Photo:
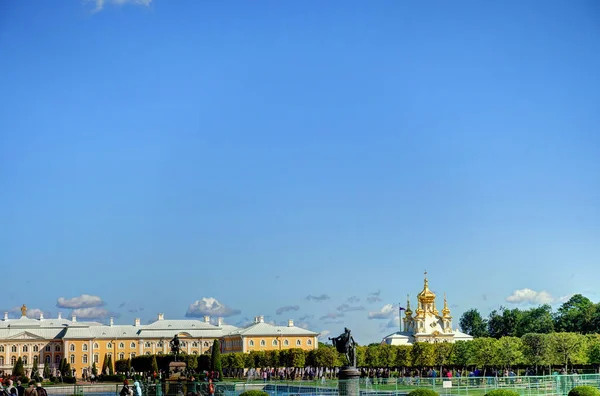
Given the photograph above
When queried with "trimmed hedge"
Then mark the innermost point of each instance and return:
(69, 380)
(423, 392)
(112, 378)
(502, 392)
(584, 390)
(254, 392)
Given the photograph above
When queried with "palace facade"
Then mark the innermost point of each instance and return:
(427, 324)
(84, 343)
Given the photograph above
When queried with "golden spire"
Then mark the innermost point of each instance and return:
(446, 310)
(408, 312)
(24, 310)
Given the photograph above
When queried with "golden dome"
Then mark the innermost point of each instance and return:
(408, 311)
(446, 310)
(426, 296)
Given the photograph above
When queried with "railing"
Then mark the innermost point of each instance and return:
(555, 385)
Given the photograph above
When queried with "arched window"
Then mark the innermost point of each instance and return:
(194, 344)
(183, 343)
(1, 360)
(194, 352)
(132, 345)
(57, 359)
(147, 345)
(35, 359)
(96, 358)
(274, 342)
(25, 348)
(96, 346)
(160, 352)
(263, 343)
(147, 352)
(298, 342)
(48, 348)
(13, 348)
(47, 359)
(121, 356)
(206, 344)
(36, 348)
(109, 345)
(72, 347)
(56, 348)
(13, 360)
(72, 359)
(309, 342)
(286, 342)
(1, 348)
(84, 359)
(160, 344)
(131, 355)
(84, 347)
(25, 360)
(251, 343)
(121, 345)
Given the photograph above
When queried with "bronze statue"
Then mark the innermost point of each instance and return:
(345, 344)
(175, 348)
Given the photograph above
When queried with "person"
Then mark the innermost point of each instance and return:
(30, 391)
(211, 388)
(40, 391)
(125, 390)
(20, 388)
(137, 389)
(10, 386)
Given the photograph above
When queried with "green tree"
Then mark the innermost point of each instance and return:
(361, 353)
(326, 356)
(35, 371)
(422, 354)
(576, 315)
(567, 348)
(372, 358)
(473, 324)
(504, 323)
(485, 352)
(215, 360)
(47, 373)
(594, 350)
(155, 364)
(18, 369)
(461, 353)
(536, 320)
(68, 371)
(62, 367)
(510, 351)
(442, 352)
(94, 369)
(403, 356)
(104, 364)
(110, 366)
(536, 349)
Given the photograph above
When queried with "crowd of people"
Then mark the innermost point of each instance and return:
(8, 388)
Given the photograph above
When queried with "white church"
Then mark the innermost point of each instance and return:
(427, 325)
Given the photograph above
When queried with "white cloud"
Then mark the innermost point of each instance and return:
(83, 301)
(32, 313)
(99, 4)
(323, 335)
(210, 306)
(528, 296)
(92, 313)
(384, 313)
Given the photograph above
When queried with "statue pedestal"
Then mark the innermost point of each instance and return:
(349, 384)
(176, 370)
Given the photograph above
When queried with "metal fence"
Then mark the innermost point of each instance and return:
(555, 385)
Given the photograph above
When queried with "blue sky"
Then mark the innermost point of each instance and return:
(237, 157)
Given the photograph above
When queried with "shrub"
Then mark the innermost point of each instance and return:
(423, 392)
(502, 392)
(584, 390)
(254, 392)
(112, 378)
(69, 380)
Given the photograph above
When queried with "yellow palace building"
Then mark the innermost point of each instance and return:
(49, 340)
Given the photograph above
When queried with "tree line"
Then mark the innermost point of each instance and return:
(577, 315)
(542, 353)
